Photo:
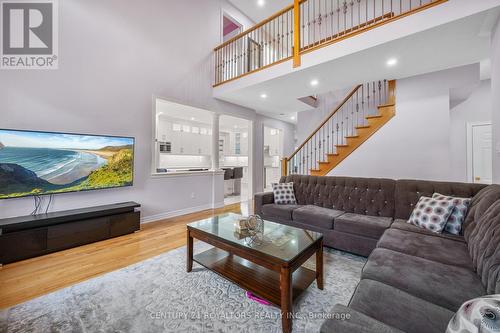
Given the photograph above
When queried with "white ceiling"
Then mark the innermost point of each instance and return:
(256, 13)
(449, 45)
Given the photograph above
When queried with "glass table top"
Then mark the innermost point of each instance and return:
(274, 239)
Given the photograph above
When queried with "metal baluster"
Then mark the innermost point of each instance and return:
(352, 14)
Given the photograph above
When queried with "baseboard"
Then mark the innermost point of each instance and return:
(180, 212)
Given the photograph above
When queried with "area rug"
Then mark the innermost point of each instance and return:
(157, 295)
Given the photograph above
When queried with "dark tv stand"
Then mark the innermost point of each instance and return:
(34, 235)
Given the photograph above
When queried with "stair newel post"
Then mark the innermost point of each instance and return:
(296, 33)
(284, 166)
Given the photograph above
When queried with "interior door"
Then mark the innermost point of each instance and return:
(482, 153)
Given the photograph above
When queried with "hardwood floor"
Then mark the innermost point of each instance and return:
(28, 279)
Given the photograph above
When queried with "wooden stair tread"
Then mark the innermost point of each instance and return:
(335, 154)
(373, 117)
(352, 136)
(341, 145)
(365, 126)
(321, 163)
(386, 105)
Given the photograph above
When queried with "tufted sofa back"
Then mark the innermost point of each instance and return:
(484, 247)
(408, 192)
(478, 207)
(367, 196)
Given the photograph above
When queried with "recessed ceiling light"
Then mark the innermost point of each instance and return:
(392, 62)
(292, 117)
(261, 3)
(192, 118)
(263, 96)
(314, 83)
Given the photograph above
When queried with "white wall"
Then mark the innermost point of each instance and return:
(114, 56)
(309, 120)
(477, 108)
(495, 89)
(416, 142)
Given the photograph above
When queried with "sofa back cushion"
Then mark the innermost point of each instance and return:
(480, 203)
(367, 196)
(408, 192)
(484, 247)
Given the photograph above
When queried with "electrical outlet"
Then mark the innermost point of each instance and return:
(193, 195)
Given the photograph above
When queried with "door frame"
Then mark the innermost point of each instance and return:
(233, 19)
(470, 168)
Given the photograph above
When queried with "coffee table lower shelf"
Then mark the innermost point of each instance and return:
(259, 280)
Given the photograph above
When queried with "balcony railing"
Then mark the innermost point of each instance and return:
(311, 24)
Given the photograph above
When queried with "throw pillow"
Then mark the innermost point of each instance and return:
(431, 214)
(283, 194)
(457, 217)
(477, 315)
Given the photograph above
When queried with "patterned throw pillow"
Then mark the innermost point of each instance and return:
(457, 217)
(431, 214)
(283, 194)
(477, 315)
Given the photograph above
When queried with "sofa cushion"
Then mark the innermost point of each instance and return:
(279, 211)
(364, 225)
(431, 214)
(438, 249)
(444, 285)
(348, 320)
(484, 248)
(404, 225)
(478, 206)
(409, 191)
(457, 217)
(368, 196)
(317, 216)
(399, 309)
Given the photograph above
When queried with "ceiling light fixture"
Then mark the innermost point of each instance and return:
(192, 118)
(263, 96)
(392, 62)
(314, 83)
(261, 3)
(292, 117)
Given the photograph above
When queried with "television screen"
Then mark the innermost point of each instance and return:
(38, 163)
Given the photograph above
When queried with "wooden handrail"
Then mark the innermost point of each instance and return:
(325, 121)
(258, 25)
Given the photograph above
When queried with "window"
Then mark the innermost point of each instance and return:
(178, 145)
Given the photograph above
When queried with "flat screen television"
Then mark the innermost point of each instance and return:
(39, 163)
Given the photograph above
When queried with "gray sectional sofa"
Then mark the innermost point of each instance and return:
(414, 280)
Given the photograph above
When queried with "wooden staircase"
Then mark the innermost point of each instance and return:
(344, 130)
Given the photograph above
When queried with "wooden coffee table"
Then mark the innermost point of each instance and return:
(268, 264)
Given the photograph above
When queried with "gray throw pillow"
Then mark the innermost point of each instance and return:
(283, 194)
(457, 217)
(431, 214)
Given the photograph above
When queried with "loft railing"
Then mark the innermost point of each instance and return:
(311, 24)
(267, 43)
(340, 124)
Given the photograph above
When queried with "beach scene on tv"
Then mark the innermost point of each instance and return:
(37, 163)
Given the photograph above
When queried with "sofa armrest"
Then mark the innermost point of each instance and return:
(262, 199)
(346, 320)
